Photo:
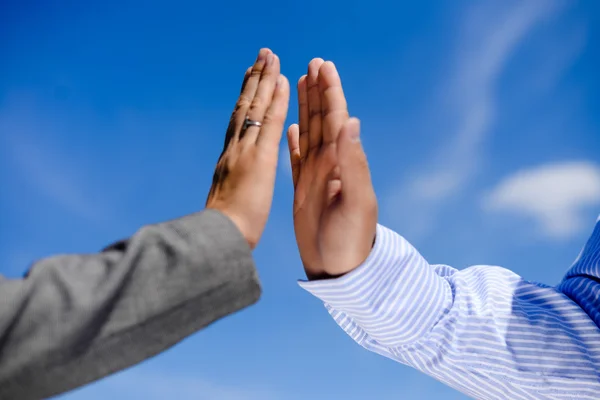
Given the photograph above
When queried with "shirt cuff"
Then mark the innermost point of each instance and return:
(395, 297)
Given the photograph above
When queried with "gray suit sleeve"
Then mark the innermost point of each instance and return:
(77, 318)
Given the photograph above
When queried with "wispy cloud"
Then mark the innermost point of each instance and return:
(555, 196)
(489, 39)
(52, 177)
(489, 35)
(26, 140)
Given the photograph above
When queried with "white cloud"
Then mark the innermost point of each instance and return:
(489, 35)
(553, 195)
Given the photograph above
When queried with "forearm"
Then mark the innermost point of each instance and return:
(484, 330)
(75, 319)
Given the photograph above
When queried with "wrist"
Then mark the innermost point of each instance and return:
(357, 260)
(239, 224)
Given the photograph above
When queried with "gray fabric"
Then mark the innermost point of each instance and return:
(77, 318)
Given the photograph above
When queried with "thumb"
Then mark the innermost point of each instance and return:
(352, 160)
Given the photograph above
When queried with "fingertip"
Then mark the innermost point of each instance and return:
(282, 82)
(353, 122)
(302, 91)
(351, 129)
(314, 65)
(293, 133)
(327, 67)
(302, 81)
(354, 168)
(262, 54)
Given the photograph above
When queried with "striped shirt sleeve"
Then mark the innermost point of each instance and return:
(582, 281)
(484, 330)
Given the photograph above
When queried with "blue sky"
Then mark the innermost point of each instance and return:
(480, 119)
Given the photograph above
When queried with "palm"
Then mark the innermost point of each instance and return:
(325, 233)
(314, 223)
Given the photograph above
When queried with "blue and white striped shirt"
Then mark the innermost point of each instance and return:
(483, 330)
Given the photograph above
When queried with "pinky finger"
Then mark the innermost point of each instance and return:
(293, 137)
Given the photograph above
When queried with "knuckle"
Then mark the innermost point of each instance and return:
(228, 165)
(303, 135)
(315, 148)
(256, 72)
(243, 102)
(312, 86)
(341, 113)
(273, 118)
(314, 113)
(257, 104)
(267, 73)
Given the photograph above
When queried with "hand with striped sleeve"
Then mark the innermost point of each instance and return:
(483, 330)
(335, 208)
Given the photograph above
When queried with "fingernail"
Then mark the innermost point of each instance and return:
(279, 81)
(270, 59)
(262, 54)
